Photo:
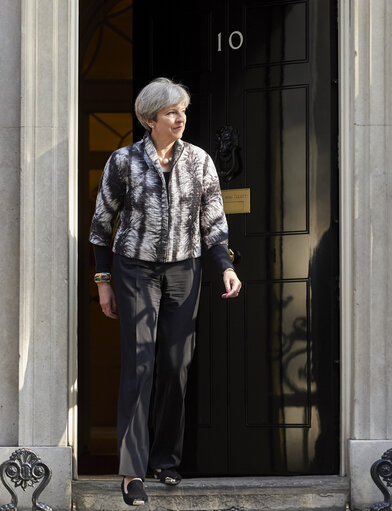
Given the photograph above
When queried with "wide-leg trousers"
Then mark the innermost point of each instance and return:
(158, 305)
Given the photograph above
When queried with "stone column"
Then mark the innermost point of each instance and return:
(47, 29)
(9, 214)
(371, 121)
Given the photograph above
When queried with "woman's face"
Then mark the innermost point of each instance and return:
(169, 124)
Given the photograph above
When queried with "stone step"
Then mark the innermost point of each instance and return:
(297, 493)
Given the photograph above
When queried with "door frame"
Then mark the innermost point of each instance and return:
(346, 223)
(73, 235)
(346, 226)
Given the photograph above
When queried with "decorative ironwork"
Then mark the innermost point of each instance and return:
(25, 469)
(227, 153)
(382, 469)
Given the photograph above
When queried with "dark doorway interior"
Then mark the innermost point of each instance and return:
(105, 123)
(263, 394)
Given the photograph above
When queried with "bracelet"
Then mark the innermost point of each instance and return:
(102, 277)
(229, 269)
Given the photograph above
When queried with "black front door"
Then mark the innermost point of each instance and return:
(264, 387)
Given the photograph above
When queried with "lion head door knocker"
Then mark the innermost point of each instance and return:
(25, 469)
(227, 153)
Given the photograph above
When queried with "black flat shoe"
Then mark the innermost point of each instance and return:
(168, 476)
(136, 495)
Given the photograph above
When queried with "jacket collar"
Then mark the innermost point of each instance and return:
(151, 152)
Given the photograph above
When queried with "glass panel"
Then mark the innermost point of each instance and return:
(109, 52)
(109, 131)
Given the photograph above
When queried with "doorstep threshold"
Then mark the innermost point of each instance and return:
(334, 482)
(286, 493)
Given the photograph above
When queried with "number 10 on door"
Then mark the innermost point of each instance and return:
(235, 40)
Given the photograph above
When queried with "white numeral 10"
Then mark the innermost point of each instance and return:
(220, 41)
(231, 44)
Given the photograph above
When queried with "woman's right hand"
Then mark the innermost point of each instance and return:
(107, 300)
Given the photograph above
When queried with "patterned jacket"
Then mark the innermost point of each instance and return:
(154, 224)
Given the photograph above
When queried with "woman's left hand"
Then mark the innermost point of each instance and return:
(232, 284)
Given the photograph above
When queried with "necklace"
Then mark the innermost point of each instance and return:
(165, 161)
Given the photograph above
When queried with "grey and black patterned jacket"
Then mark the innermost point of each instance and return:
(154, 224)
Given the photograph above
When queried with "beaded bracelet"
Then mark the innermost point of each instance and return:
(102, 277)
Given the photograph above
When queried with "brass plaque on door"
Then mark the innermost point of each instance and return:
(236, 200)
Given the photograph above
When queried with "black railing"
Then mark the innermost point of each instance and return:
(381, 472)
(22, 470)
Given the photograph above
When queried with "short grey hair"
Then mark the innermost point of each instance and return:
(158, 94)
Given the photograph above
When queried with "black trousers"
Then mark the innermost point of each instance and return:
(158, 305)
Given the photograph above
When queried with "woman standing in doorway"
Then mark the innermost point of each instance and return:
(166, 198)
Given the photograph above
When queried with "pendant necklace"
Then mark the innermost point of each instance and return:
(165, 161)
